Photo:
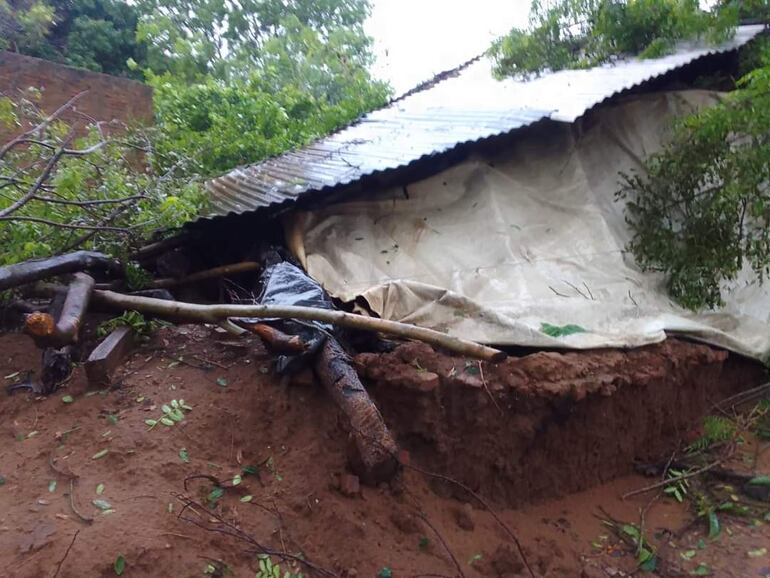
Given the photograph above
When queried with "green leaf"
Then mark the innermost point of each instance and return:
(52, 486)
(101, 504)
(151, 422)
(165, 408)
(167, 421)
(67, 399)
(246, 499)
(184, 455)
(99, 489)
(120, 565)
(221, 382)
(760, 481)
(100, 454)
(215, 495)
(560, 331)
(112, 418)
(688, 555)
(237, 480)
(714, 526)
(759, 552)
(176, 415)
(386, 572)
(702, 570)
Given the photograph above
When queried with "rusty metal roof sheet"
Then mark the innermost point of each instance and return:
(466, 108)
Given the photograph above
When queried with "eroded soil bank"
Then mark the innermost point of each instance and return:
(549, 424)
(561, 424)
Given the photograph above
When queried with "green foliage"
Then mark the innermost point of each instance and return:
(582, 33)
(96, 34)
(173, 412)
(268, 569)
(700, 209)
(716, 429)
(676, 486)
(560, 330)
(133, 319)
(101, 193)
(220, 125)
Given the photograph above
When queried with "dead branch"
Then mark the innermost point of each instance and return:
(207, 274)
(215, 523)
(30, 271)
(67, 225)
(424, 518)
(373, 459)
(153, 249)
(66, 553)
(193, 312)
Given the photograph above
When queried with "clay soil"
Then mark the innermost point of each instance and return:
(87, 481)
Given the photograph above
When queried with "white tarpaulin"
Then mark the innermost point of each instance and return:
(495, 247)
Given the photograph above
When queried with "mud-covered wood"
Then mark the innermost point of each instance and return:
(373, 450)
(275, 340)
(30, 271)
(108, 356)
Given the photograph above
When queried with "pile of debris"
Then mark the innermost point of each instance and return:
(291, 313)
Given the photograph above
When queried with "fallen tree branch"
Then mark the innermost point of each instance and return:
(277, 341)
(203, 275)
(67, 225)
(29, 271)
(62, 327)
(192, 312)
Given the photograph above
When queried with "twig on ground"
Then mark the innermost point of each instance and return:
(424, 518)
(675, 479)
(222, 526)
(66, 553)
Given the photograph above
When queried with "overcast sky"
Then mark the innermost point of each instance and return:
(415, 39)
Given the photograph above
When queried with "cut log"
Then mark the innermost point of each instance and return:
(30, 271)
(62, 328)
(277, 341)
(108, 356)
(373, 451)
(193, 312)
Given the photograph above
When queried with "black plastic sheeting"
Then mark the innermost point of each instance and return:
(284, 283)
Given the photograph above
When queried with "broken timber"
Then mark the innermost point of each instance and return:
(59, 328)
(108, 355)
(193, 312)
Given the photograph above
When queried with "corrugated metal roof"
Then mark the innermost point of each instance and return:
(469, 107)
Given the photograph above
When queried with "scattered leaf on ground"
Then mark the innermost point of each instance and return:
(246, 499)
(99, 489)
(52, 486)
(757, 553)
(102, 504)
(688, 555)
(67, 399)
(184, 456)
(100, 454)
(702, 570)
(237, 480)
(221, 382)
(120, 565)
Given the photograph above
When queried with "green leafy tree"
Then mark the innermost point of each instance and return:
(98, 35)
(582, 33)
(66, 185)
(193, 38)
(700, 210)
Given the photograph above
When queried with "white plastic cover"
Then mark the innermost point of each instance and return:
(493, 248)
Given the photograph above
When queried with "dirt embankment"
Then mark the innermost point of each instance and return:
(549, 424)
(560, 427)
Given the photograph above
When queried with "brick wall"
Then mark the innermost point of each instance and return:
(108, 97)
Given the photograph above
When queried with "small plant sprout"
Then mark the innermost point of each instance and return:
(267, 569)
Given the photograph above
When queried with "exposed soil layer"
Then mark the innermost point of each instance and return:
(549, 424)
(303, 501)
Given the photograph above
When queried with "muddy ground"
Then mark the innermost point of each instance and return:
(86, 482)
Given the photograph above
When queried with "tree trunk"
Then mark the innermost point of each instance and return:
(373, 450)
(62, 328)
(30, 271)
